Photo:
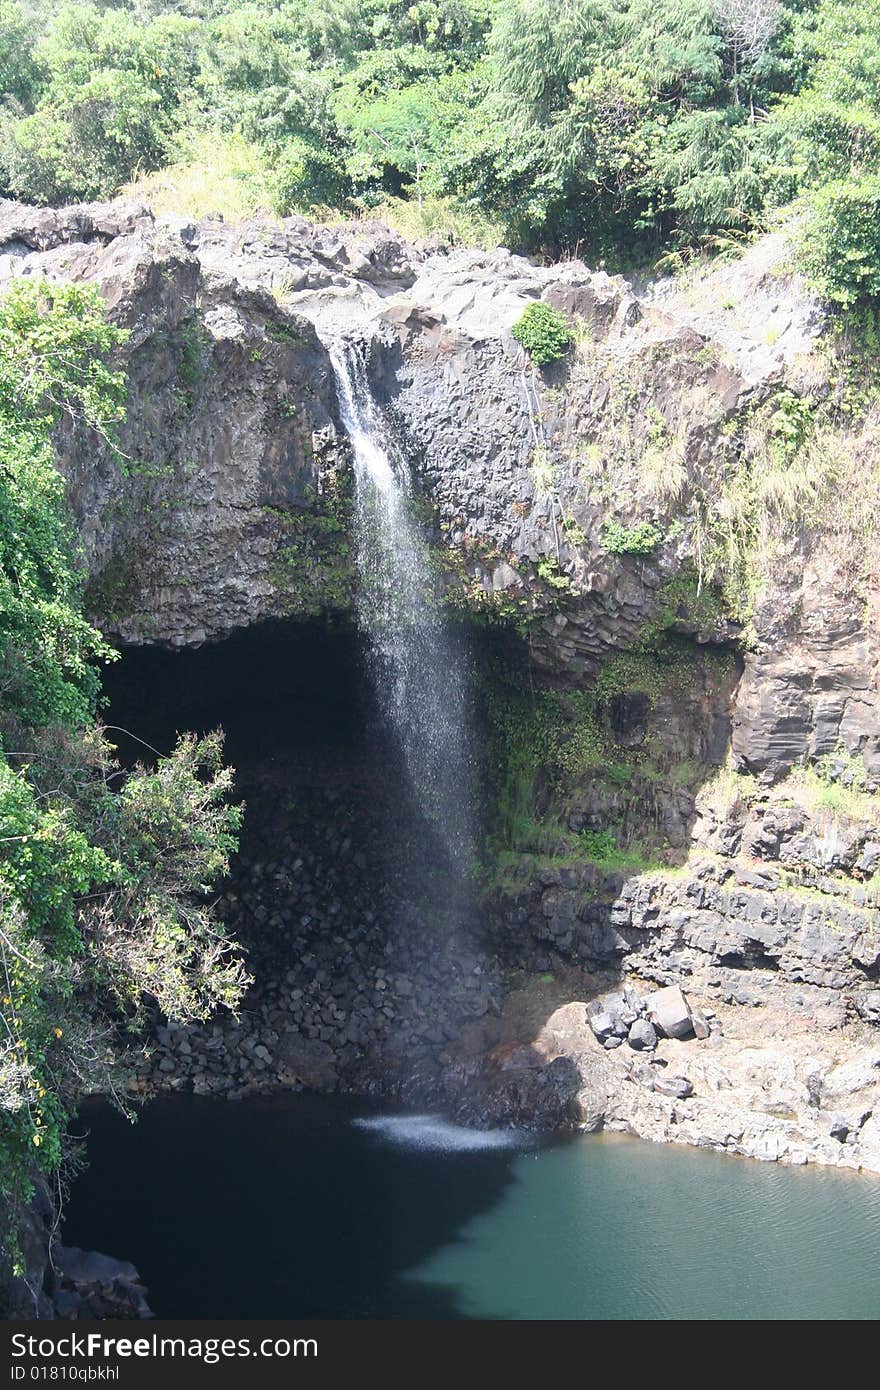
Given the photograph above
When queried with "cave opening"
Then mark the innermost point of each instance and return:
(365, 947)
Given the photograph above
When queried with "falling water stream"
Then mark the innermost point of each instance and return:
(418, 675)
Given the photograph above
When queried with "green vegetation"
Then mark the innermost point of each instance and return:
(625, 129)
(544, 472)
(840, 248)
(800, 462)
(53, 360)
(543, 332)
(548, 746)
(312, 565)
(103, 874)
(838, 783)
(640, 539)
(548, 570)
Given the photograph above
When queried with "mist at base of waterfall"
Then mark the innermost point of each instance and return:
(433, 1134)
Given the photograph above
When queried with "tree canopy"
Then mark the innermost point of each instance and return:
(626, 128)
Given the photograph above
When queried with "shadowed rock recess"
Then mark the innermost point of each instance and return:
(679, 776)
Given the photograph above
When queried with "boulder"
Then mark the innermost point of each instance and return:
(603, 1025)
(700, 1024)
(670, 1012)
(609, 1014)
(677, 1086)
(634, 1001)
(642, 1036)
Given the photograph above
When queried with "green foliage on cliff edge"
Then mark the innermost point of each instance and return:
(103, 875)
(544, 333)
(616, 129)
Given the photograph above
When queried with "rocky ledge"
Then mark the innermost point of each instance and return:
(772, 1083)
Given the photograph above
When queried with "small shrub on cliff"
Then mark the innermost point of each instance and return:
(839, 782)
(639, 539)
(544, 333)
(840, 245)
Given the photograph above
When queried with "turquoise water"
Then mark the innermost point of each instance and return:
(619, 1228)
(305, 1207)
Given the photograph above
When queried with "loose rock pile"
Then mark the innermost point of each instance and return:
(629, 1017)
(640, 1022)
(355, 981)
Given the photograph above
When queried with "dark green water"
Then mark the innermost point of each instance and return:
(291, 1208)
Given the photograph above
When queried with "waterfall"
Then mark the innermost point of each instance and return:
(417, 672)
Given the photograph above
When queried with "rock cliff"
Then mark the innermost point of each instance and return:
(705, 755)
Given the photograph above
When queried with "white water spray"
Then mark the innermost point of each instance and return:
(433, 1134)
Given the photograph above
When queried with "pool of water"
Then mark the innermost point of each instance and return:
(311, 1207)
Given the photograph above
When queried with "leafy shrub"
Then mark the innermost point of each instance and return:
(53, 349)
(640, 539)
(549, 571)
(103, 876)
(544, 333)
(840, 246)
(598, 844)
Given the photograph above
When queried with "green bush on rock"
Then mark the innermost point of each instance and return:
(639, 539)
(544, 333)
(840, 245)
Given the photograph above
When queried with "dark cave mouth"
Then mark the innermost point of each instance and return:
(276, 689)
(301, 709)
(300, 721)
(323, 782)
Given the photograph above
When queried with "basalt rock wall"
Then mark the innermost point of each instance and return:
(233, 505)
